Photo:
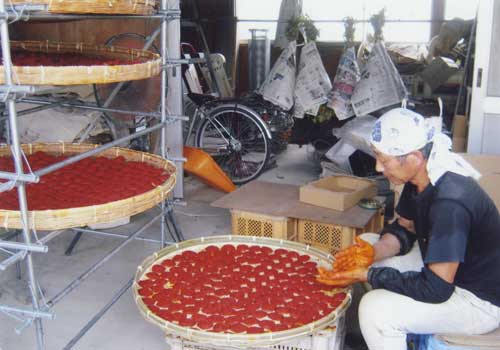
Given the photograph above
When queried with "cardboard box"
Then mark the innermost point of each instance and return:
(489, 167)
(337, 192)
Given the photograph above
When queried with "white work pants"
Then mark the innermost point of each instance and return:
(386, 317)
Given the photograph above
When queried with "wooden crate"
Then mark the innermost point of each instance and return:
(332, 238)
(245, 223)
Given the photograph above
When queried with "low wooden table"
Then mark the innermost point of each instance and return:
(318, 226)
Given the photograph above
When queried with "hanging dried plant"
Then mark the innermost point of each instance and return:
(349, 31)
(378, 21)
(304, 24)
(324, 115)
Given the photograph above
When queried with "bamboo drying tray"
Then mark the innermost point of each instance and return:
(237, 340)
(127, 7)
(83, 216)
(75, 75)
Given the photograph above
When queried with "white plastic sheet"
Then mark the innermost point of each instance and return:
(354, 135)
(52, 125)
(357, 133)
(339, 154)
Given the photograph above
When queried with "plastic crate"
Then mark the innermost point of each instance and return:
(331, 338)
(332, 238)
(245, 223)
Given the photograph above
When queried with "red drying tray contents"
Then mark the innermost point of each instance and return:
(91, 181)
(238, 289)
(33, 59)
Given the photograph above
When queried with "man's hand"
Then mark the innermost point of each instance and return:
(344, 278)
(350, 265)
(360, 254)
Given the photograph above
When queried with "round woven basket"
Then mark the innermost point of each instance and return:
(74, 75)
(83, 216)
(239, 340)
(127, 7)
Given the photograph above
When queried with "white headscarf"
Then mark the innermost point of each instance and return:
(401, 131)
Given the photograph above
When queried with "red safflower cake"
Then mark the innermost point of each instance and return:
(246, 289)
(59, 63)
(92, 181)
(54, 59)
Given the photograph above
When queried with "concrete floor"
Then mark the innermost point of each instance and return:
(121, 327)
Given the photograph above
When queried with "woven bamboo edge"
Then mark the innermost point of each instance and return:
(83, 216)
(239, 340)
(126, 7)
(76, 75)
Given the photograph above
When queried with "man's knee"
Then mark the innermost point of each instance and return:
(376, 310)
(373, 305)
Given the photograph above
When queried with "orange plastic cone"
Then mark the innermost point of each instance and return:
(203, 166)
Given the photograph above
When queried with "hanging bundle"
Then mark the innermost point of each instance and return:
(346, 77)
(349, 30)
(288, 10)
(378, 21)
(302, 24)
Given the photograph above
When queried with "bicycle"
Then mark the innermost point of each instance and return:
(236, 133)
(241, 134)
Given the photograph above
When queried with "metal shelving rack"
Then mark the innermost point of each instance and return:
(169, 31)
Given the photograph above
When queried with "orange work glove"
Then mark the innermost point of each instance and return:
(348, 265)
(344, 278)
(326, 277)
(360, 254)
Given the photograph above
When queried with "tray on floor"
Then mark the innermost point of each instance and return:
(159, 274)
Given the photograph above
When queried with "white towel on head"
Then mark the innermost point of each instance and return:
(401, 131)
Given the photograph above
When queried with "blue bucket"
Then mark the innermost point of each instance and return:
(429, 342)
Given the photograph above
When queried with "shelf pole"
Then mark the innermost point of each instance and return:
(163, 110)
(91, 107)
(18, 163)
(98, 316)
(172, 97)
(37, 14)
(21, 254)
(117, 235)
(24, 246)
(18, 177)
(97, 150)
(59, 296)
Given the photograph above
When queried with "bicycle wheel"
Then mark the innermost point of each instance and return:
(237, 139)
